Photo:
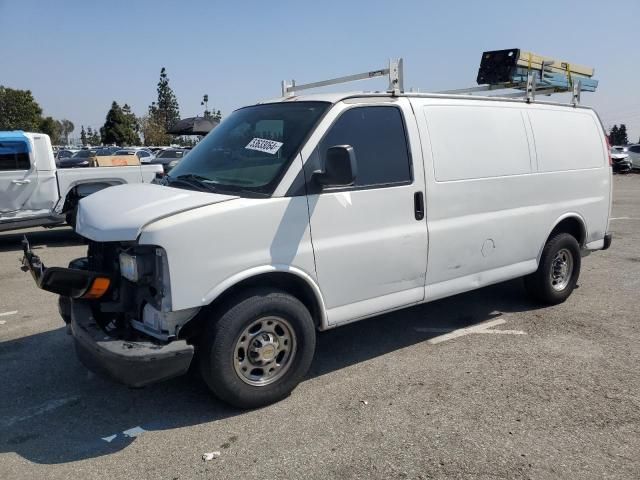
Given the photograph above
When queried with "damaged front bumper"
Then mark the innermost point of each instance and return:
(68, 282)
(134, 363)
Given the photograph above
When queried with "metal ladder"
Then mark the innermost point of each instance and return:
(527, 89)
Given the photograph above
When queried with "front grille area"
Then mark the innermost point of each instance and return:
(103, 256)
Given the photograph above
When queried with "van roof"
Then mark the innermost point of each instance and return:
(340, 96)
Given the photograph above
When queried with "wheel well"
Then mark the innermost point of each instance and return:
(572, 226)
(287, 282)
(74, 195)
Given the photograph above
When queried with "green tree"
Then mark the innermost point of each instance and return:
(165, 110)
(83, 135)
(153, 132)
(117, 128)
(618, 135)
(613, 135)
(51, 127)
(18, 110)
(212, 114)
(93, 137)
(66, 127)
(622, 135)
(134, 123)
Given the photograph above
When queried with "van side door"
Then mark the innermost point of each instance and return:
(370, 238)
(484, 201)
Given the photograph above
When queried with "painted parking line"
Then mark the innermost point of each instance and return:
(6, 314)
(450, 334)
(624, 218)
(38, 410)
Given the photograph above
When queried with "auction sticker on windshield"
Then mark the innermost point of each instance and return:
(264, 145)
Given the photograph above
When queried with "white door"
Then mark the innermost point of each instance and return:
(370, 239)
(18, 175)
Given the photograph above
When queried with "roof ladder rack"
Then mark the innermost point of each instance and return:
(394, 71)
(530, 74)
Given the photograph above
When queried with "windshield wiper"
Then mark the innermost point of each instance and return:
(192, 180)
(199, 182)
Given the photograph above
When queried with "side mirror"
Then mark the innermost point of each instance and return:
(339, 167)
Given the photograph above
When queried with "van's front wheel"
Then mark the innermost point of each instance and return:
(557, 272)
(259, 349)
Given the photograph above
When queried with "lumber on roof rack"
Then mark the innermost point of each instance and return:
(501, 66)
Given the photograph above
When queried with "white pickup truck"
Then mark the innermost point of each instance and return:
(33, 192)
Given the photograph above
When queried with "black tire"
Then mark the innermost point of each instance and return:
(540, 284)
(218, 355)
(70, 217)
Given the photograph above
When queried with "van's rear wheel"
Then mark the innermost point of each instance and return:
(259, 349)
(557, 272)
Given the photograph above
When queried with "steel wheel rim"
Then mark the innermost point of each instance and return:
(561, 269)
(264, 351)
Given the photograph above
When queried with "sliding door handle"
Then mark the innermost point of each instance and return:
(418, 205)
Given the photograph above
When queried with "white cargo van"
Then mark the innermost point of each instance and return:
(309, 212)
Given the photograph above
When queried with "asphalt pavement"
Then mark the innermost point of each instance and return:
(481, 385)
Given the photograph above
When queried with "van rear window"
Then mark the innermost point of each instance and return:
(14, 155)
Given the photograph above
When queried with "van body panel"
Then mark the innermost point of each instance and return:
(502, 215)
(489, 212)
(370, 251)
(208, 246)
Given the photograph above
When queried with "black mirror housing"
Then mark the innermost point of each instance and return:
(340, 167)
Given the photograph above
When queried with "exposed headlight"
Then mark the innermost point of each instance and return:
(173, 163)
(129, 267)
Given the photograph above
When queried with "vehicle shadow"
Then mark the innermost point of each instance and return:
(55, 411)
(59, 237)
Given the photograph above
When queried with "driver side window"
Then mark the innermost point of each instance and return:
(378, 138)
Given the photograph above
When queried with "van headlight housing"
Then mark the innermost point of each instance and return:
(129, 267)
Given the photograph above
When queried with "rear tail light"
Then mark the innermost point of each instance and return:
(606, 138)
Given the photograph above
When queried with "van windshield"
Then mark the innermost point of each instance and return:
(250, 150)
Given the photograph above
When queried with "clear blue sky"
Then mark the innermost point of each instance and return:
(78, 56)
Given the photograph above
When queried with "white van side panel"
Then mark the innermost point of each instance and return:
(223, 243)
(474, 157)
(490, 229)
(566, 140)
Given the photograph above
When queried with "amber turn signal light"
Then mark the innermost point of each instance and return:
(98, 288)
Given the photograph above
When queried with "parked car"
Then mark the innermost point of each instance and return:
(621, 162)
(144, 155)
(634, 155)
(105, 151)
(82, 158)
(307, 213)
(33, 192)
(169, 158)
(60, 154)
